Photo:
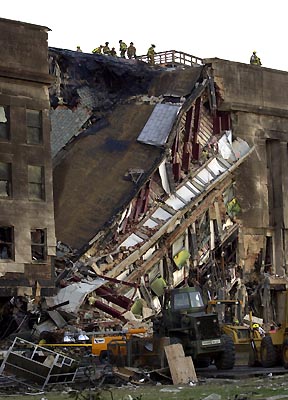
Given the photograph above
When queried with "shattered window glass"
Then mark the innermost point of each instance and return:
(36, 189)
(38, 244)
(6, 243)
(34, 126)
(4, 130)
(5, 179)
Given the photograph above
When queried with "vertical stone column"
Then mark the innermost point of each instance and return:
(284, 157)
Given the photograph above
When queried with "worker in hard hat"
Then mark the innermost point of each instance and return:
(258, 328)
(79, 49)
(106, 49)
(131, 51)
(254, 59)
(123, 48)
(98, 50)
(151, 54)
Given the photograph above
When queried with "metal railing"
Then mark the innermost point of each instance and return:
(173, 58)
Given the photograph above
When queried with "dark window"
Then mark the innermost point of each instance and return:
(34, 126)
(6, 243)
(38, 244)
(36, 189)
(5, 179)
(4, 123)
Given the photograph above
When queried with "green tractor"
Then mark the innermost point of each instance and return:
(184, 320)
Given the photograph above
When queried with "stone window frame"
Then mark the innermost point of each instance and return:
(5, 180)
(38, 245)
(6, 243)
(34, 127)
(4, 123)
(36, 182)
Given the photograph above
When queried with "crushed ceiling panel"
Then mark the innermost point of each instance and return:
(131, 241)
(161, 214)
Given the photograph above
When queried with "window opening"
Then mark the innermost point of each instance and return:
(38, 244)
(34, 126)
(5, 179)
(181, 300)
(6, 243)
(36, 189)
(4, 129)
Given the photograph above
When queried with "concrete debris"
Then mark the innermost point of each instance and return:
(213, 396)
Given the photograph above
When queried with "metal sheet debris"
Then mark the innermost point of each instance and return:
(75, 294)
(158, 126)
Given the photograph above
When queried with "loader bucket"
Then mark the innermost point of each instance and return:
(247, 349)
(244, 354)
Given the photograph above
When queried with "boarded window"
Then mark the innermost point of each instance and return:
(36, 189)
(34, 126)
(6, 243)
(4, 128)
(38, 244)
(5, 179)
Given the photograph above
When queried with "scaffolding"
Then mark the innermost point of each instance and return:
(31, 364)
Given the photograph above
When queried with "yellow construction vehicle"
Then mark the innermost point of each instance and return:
(107, 347)
(247, 340)
(102, 343)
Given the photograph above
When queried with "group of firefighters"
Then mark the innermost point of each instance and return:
(123, 49)
(131, 52)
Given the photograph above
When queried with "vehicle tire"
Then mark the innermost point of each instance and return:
(106, 357)
(285, 354)
(226, 359)
(268, 354)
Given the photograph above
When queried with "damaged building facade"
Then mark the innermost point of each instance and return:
(165, 212)
(257, 103)
(179, 160)
(27, 232)
(163, 176)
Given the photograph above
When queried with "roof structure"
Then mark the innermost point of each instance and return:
(95, 131)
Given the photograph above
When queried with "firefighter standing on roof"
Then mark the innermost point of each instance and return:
(254, 59)
(131, 51)
(151, 54)
(106, 49)
(123, 48)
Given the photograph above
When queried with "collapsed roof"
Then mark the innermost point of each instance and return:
(143, 173)
(107, 103)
